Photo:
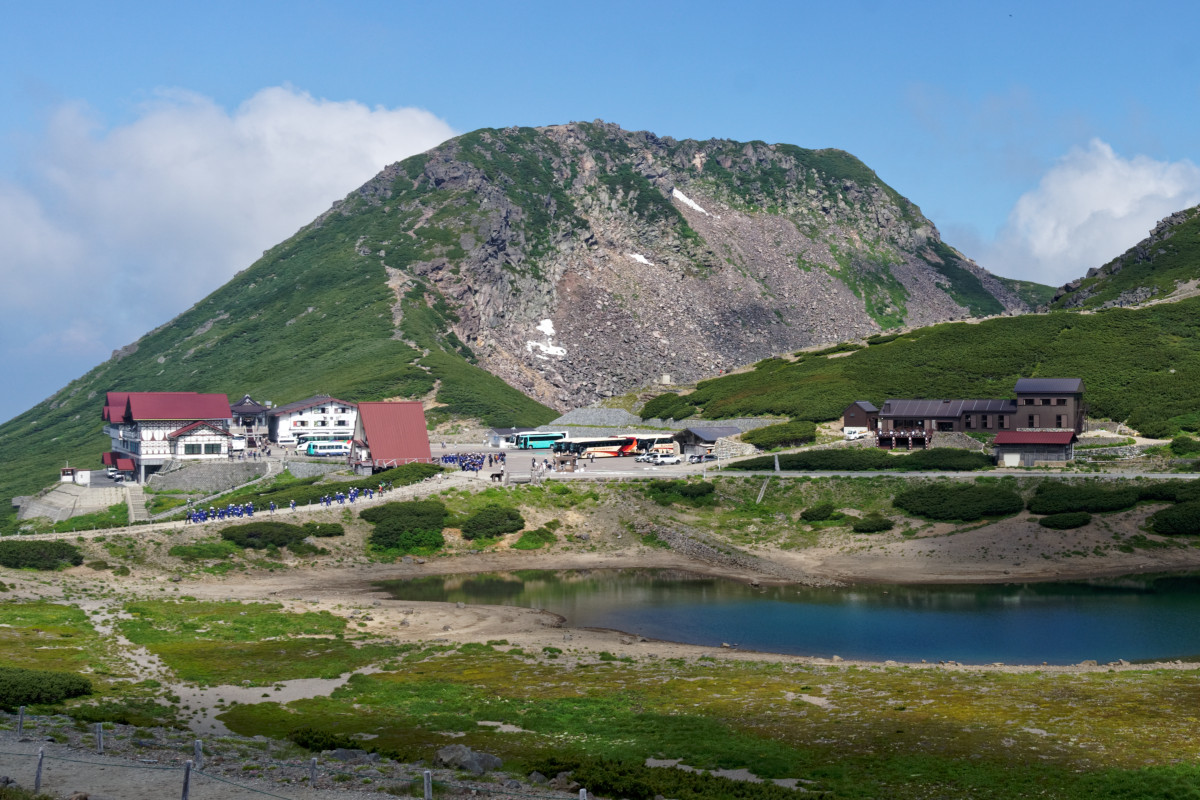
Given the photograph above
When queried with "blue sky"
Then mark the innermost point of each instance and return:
(151, 150)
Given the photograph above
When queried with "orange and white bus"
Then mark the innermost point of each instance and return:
(600, 447)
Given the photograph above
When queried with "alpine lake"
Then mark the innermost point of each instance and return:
(1138, 619)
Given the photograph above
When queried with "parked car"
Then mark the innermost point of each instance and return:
(700, 459)
(661, 459)
(852, 435)
(645, 458)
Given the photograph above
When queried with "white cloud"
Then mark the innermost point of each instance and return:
(1087, 209)
(169, 206)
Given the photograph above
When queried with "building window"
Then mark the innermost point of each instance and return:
(1062, 401)
(1002, 422)
(983, 420)
(1032, 424)
(191, 449)
(212, 449)
(341, 423)
(1058, 421)
(1045, 401)
(1027, 401)
(969, 421)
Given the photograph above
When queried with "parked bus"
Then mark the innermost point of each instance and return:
(327, 449)
(538, 440)
(605, 447)
(658, 443)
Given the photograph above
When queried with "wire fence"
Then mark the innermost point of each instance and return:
(197, 762)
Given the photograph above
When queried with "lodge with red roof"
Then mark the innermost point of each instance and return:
(149, 429)
(389, 434)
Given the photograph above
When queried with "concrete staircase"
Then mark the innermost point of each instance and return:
(136, 499)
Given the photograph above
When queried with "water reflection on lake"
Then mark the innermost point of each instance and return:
(1059, 623)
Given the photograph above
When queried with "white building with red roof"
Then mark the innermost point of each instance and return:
(148, 429)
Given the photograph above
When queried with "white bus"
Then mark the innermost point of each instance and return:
(327, 449)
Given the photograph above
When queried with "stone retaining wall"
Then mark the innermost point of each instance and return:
(209, 477)
(311, 469)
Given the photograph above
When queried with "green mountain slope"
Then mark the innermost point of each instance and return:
(1142, 366)
(509, 271)
(311, 316)
(1152, 269)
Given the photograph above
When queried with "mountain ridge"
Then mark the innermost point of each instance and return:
(572, 262)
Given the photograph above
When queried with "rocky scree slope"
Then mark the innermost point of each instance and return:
(579, 261)
(1164, 265)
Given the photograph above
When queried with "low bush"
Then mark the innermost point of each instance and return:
(265, 534)
(1058, 497)
(785, 434)
(27, 687)
(1182, 519)
(143, 713)
(1066, 520)
(633, 780)
(535, 539)
(323, 530)
(966, 502)
(818, 513)
(695, 493)
(872, 523)
(1185, 446)
(492, 521)
(39, 555)
(861, 459)
(203, 551)
(98, 566)
(413, 526)
(667, 406)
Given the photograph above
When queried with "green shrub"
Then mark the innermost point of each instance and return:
(265, 534)
(634, 780)
(143, 713)
(786, 434)
(1185, 446)
(950, 501)
(872, 523)
(695, 493)
(668, 406)
(1178, 520)
(492, 521)
(861, 459)
(46, 555)
(1057, 497)
(819, 512)
(1066, 520)
(27, 687)
(413, 526)
(537, 538)
(98, 566)
(323, 530)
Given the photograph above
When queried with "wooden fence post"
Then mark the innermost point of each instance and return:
(100, 738)
(187, 778)
(37, 778)
(312, 772)
(428, 785)
(198, 754)
(20, 722)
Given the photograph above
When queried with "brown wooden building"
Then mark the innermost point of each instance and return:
(860, 416)
(1050, 404)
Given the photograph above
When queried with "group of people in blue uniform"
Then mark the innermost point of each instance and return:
(473, 462)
